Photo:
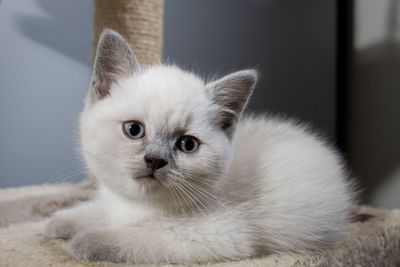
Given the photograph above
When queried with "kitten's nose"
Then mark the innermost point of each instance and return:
(154, 162)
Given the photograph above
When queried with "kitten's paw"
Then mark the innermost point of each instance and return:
(95, 245)
(59, 227)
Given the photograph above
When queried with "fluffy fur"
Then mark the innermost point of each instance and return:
(255, 184)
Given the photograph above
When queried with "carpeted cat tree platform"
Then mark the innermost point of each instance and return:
(373, 240)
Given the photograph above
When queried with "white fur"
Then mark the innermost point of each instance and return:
(274, 186)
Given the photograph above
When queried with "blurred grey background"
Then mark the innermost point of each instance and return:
(44, 73)
(372, 127)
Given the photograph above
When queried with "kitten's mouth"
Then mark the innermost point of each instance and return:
(149, 176)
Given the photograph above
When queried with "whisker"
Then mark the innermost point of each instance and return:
(205, 191)
(66, 176)
(179, 195)
(202, 195)
(187, 196)
(57, 173)
(173, 196)
(196, 200)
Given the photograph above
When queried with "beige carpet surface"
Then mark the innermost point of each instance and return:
(374, 240)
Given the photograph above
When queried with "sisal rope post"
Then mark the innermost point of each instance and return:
(140, 22)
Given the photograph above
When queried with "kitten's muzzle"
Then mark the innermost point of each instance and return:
(155, 163)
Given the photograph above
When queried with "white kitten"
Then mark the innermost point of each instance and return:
(183, 178)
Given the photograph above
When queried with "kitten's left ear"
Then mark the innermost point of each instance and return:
(114, 60)
(232, 94)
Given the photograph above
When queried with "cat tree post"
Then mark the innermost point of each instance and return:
(139, 21)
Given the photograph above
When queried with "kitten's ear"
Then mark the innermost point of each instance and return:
(114, 60)
(232, 93)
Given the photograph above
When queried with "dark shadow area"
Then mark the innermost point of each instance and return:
(67, 28)
(344, 55)
(373, 128)
(372, 119)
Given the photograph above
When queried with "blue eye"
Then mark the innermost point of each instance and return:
(187, 144)
(134, 129)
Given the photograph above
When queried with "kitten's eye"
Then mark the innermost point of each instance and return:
(187, 144)
(134, 129)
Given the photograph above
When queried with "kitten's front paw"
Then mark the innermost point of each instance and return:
(59, 227)
(95, 246)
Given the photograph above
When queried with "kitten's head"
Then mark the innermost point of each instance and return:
(145, 130)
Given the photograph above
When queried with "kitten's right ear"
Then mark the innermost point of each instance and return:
(114, 60)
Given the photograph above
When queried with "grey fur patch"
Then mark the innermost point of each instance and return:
(160, 147)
